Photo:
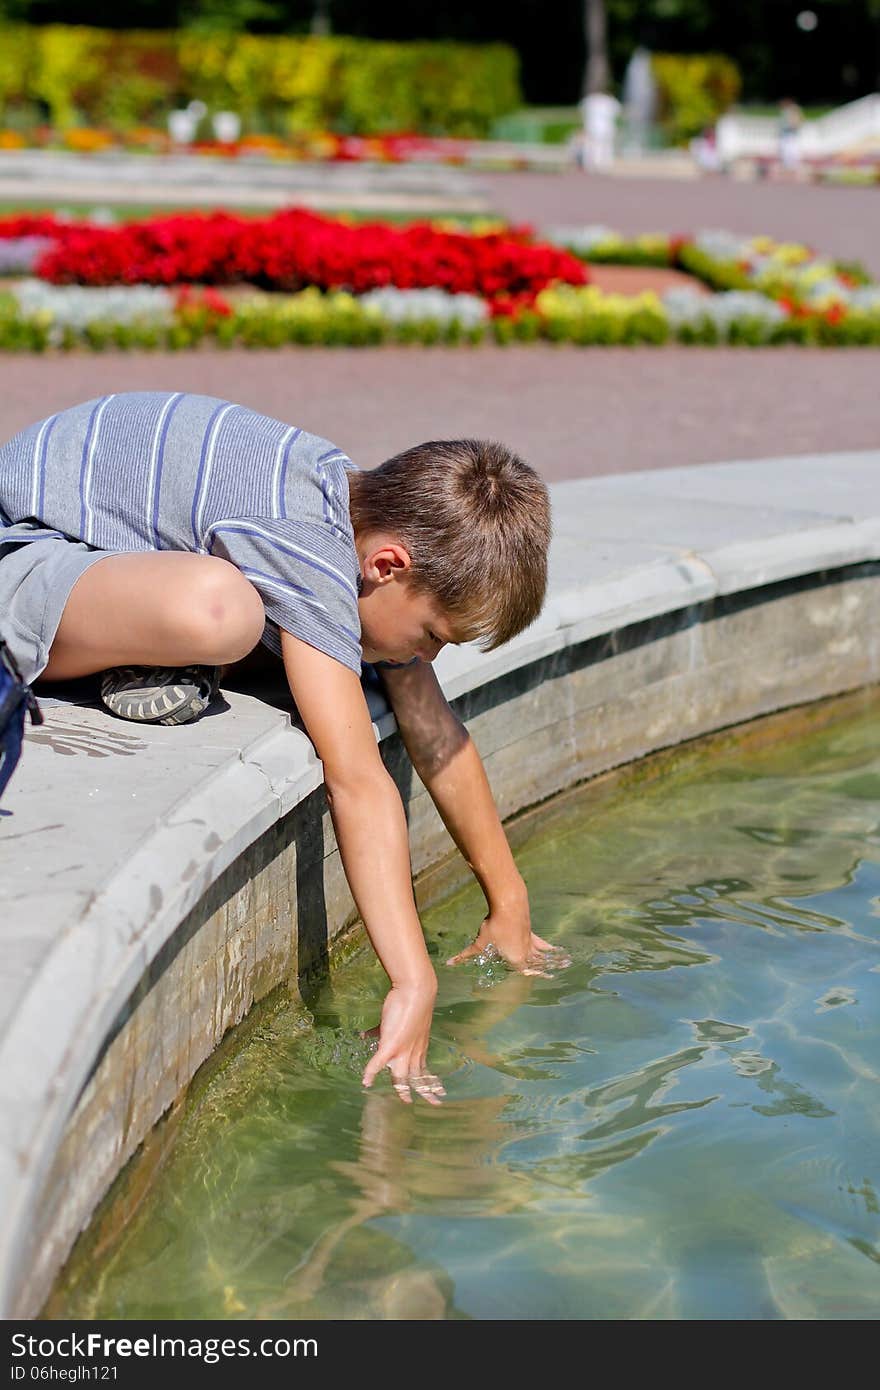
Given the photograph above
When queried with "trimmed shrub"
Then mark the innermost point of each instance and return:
(694, 90)
(17, 53)
(126, 77)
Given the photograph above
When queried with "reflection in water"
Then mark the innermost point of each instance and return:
(683, 1124)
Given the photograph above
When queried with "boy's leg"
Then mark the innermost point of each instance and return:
(157, 608)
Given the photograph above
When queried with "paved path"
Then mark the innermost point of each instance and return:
(571, 411)
(843, 222)
(189, 180)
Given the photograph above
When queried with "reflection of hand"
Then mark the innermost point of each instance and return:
(511, 935)
(404, 1033)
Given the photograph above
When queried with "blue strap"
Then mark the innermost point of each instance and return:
(16, 701)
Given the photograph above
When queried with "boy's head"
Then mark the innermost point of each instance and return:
(452, 536)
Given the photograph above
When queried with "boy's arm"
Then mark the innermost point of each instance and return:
(449, 765)
(372, 836)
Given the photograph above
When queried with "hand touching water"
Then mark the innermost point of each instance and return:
(404, 1034)
(508, 930)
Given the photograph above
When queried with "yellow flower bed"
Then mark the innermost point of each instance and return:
(587, 315)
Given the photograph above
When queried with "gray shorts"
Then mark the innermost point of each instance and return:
(38, 569)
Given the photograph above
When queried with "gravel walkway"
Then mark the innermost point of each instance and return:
(572, 412)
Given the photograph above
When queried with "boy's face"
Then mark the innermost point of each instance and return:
(398, 623)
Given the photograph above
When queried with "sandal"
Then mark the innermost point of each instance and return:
(159, 695)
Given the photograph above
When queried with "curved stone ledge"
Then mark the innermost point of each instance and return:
(156, 883)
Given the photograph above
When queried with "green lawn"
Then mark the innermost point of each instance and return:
(552, 125)
(130, 212)
(812, 113)
(543, 125)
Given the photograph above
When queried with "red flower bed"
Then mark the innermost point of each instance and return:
(293, 249)
(323, 146)
(32, 224)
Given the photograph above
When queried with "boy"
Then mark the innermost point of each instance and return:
(173, 533)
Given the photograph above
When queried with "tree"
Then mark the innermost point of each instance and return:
(597, 77)
(232, 14)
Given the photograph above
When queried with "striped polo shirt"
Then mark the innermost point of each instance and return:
(161, 470)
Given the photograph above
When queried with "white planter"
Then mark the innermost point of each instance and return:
(182, 126)
(227, 126)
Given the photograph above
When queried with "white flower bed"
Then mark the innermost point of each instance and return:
(76, 307)
(582, 240)
(689, 307)
(722, 246)
(866, 297)
(420, 306)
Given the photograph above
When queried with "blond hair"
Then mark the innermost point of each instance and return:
(476, 522)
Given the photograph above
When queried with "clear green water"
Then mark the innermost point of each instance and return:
(683, 1124)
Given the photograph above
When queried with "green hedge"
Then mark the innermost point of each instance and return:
(123, 78)
(718, 275)
(694, 90)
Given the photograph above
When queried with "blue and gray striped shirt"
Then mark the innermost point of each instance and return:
(154, 470)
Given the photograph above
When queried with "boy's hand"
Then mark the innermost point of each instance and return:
(403, 1042)
(509, 932)
(371, 834)
(449, 765)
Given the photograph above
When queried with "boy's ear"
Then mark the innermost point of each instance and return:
(385, 561)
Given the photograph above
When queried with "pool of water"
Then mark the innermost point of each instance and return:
(682, 1124)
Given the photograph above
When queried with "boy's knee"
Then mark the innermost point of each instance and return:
(225, 613)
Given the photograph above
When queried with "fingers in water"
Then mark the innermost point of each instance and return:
(377, 1063)
(479, 950)
(469, 953)
(426, 1086)
(547, 968)
(545, 960)
(403, 1091)
(540, 947)
(559, 960)
(428, 1082)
